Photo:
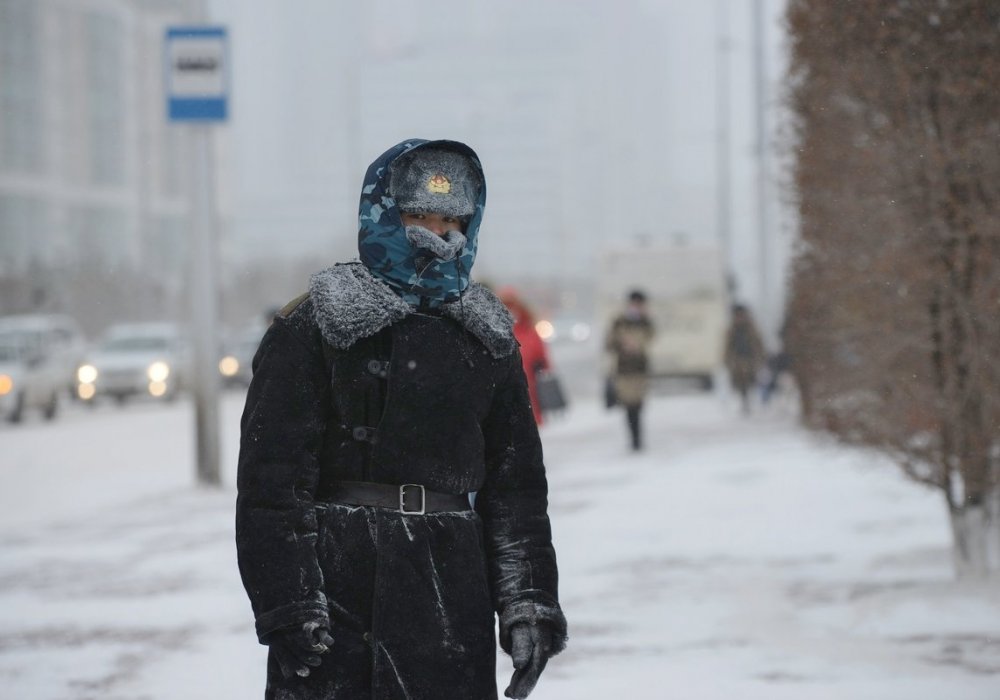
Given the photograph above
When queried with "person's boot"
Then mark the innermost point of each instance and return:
(634, 431)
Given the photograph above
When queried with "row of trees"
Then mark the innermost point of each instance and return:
(894, 316)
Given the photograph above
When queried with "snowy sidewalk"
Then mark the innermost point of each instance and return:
(745, 558)
(734, 558)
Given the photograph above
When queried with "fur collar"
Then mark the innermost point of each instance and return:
(350, 303)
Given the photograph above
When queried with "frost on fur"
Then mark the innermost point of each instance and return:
(350, 303)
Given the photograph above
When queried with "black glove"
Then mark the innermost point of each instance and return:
(530, 648)
(298, 648)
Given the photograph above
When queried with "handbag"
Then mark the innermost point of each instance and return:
(610, 395)
(550, 392)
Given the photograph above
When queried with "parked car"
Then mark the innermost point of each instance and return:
(38, 355)
(135, 359)
(235, 363)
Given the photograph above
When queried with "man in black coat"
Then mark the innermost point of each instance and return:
(392, 496)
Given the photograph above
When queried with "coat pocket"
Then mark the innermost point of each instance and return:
(345, 550)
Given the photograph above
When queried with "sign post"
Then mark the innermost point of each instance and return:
(197, 87)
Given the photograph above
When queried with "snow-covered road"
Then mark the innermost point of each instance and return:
(734, 558)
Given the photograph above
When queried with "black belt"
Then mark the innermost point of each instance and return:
(409, 499)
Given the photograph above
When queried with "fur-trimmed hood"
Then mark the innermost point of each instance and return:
(350, 303)
(415, 273)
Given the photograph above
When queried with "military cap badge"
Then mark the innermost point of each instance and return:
(439, 184)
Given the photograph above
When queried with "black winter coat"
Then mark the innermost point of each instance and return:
(350, 384)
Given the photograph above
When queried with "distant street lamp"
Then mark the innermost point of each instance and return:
(723, 171)
(763, 221)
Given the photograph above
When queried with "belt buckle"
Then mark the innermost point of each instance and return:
(402, 500)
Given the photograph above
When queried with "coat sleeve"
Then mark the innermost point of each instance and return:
(281, 439)
(513, 505)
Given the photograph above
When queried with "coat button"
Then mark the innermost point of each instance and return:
(379, 368)
(361, 433)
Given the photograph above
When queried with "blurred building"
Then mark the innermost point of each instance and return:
(90, 172)
(595, 122)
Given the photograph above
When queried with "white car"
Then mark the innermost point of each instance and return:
(135, 359)
(39, 354)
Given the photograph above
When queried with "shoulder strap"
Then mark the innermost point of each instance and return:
(292, 305)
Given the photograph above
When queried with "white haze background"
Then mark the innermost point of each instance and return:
(596, 121)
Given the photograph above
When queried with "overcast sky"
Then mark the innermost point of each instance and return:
(596, 121)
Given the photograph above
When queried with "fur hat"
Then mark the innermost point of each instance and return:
(435, 180)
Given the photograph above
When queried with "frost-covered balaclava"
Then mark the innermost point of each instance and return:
(443, 177)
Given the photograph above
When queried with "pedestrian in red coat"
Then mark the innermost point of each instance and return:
(534, 355)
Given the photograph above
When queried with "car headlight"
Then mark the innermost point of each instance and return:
(87, 374)
(6, 384)
(158, 372)
(229, 366)
(545, 330)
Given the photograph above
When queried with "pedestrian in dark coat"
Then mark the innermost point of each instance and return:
(383, 402)
(744, 353)
(628, 340)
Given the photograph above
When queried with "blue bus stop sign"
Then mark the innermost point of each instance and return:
(196, 63)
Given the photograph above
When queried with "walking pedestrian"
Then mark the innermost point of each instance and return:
(534, 355)
(628, 341)
(391, 491)
(744, 354)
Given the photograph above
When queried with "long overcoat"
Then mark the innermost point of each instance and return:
(628, 341)
(744, 353)
(351, 383)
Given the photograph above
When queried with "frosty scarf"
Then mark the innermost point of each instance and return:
(414, 266)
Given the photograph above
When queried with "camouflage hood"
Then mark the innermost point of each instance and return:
(412, 272)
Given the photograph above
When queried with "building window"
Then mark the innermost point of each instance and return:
(106, 78)
(21, 104)
(101, 236)
(169, 246)
(173, 148)
(22, 233)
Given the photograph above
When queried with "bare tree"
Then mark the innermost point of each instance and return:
(894, 315)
